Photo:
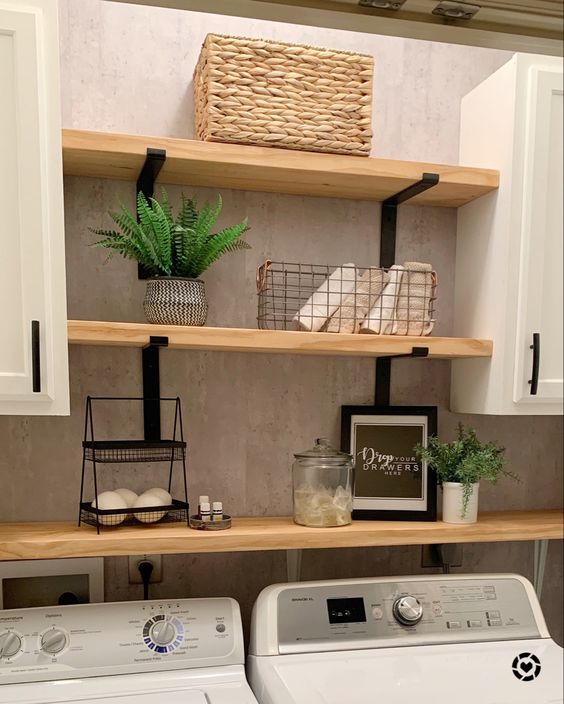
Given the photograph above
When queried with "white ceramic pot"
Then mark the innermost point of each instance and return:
(453, 504)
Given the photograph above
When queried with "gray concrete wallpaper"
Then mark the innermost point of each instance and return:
(128, 68)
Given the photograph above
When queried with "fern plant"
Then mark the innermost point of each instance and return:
(465, 461)
(182, 246)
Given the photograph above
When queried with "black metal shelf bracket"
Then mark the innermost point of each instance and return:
(152, 388)
(415, 352)
(388, 230)
(389, 216)
(154, 160)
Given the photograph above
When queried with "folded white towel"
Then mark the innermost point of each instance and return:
(414, 300)
(328, 297)
(349, 316)
(381, 318)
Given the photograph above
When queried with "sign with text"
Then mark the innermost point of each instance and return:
(385, 462)
(391, 481)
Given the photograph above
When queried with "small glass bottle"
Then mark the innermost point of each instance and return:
(322, 481)
(217, 511)
(205, 512)
(202, 500)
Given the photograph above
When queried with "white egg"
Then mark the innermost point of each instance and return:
(162, 494)
(147, 500)
(127, 495)
(108, 500)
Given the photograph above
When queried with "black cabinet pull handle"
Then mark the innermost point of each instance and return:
(534, 382)
(35, 356)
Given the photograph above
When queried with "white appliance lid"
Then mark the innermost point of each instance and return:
(154, 698)
(214, 685)
(439, 674)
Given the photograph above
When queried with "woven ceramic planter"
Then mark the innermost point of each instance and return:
(272, 94)
(175, 301)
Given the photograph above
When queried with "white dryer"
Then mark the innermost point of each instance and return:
(431, 640)
(179, 651)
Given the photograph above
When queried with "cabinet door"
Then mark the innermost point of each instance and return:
(33, 352)
(540, 308)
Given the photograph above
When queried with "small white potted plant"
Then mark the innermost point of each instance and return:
(174, 252)
(459, 466)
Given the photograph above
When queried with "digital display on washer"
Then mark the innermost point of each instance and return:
(346, 610)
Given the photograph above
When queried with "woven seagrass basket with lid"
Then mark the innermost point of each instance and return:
(267, 93)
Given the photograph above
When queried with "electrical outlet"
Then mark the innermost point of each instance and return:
(435, 555)
(156, 574)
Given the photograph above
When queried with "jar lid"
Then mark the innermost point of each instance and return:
(323, 450)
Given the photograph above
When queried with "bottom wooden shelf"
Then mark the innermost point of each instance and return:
(24, 541)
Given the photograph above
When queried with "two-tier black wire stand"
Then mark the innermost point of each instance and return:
(97, 452)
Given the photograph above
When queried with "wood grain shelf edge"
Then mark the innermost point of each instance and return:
(64, 539)
(90, 332)
(195, 163)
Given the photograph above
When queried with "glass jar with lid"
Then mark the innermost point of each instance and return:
(322, 481)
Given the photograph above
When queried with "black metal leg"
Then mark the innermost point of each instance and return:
(185, 487)
(96, 495)
(179, 416)
(87, 424)
(170, 470)
(81, 488)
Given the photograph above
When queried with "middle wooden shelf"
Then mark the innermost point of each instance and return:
(101, 333)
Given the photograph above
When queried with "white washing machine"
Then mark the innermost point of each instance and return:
(185, 651)
(430, 640)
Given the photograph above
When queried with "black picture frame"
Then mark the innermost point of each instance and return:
(423, 494)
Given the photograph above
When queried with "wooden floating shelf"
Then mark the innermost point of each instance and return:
(195, 163)
(89, 332)
(26, 541)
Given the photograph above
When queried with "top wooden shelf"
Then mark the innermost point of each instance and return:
(195, 163)
(27, 541)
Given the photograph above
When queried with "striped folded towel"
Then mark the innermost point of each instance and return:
(356, 305)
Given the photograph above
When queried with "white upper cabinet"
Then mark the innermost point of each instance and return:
(509, 258)
(33, 339)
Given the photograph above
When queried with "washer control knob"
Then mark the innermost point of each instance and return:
(53, 641)
(10, 644)
(163, 632)
(407, 610)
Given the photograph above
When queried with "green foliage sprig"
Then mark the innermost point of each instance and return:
(465, 460)
(168, 246)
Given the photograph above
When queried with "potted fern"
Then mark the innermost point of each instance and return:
(460, 465)
(174, 251)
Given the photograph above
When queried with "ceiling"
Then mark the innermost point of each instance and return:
(518, 25)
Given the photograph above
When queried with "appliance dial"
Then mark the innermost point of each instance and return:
(163, 632)
(53, 641)
(407, 610)
(10, 644)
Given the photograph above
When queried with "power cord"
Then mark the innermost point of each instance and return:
(145, 570)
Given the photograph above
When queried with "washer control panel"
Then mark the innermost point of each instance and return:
(383, 613)
(95, 639)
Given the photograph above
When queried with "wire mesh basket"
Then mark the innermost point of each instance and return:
(120, 451)
(347, 299)
(108, 518)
